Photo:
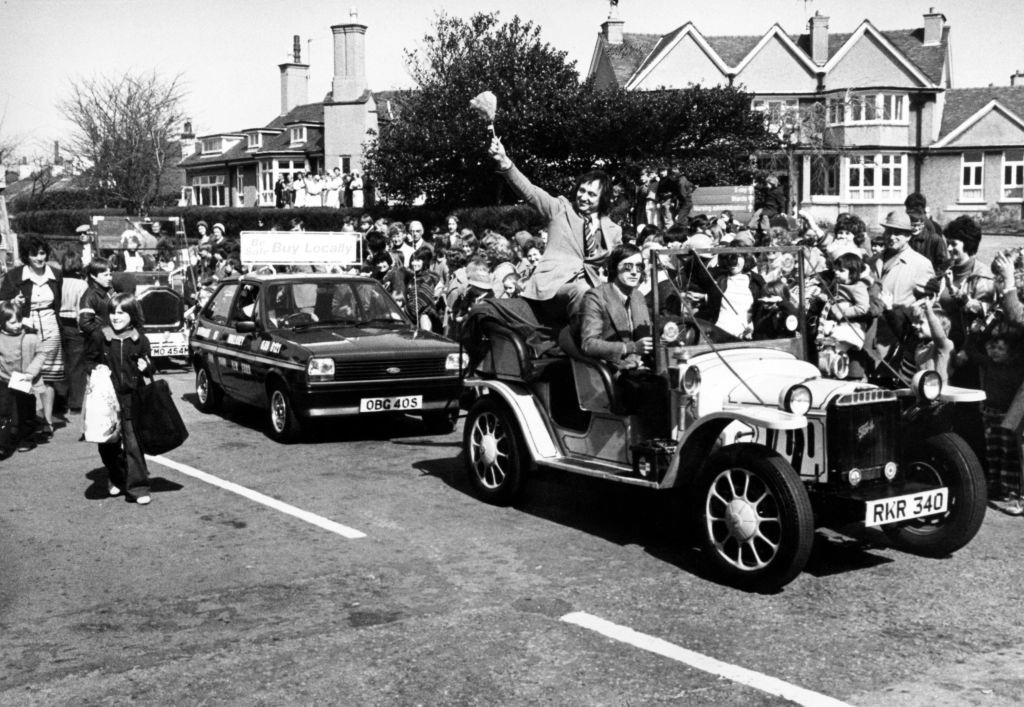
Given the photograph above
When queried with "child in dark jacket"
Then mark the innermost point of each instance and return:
(20, 353)
(124, 349)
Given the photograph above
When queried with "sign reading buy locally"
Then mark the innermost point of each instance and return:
(300, 247)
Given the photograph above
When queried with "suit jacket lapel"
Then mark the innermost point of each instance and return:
(620, 320)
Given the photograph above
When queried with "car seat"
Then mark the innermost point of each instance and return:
(595, 386)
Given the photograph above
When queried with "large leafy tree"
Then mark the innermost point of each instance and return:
(553, 126)
(437, 147)
(124, 134)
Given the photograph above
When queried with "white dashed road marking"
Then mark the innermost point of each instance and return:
(312, 518)
(750, 678)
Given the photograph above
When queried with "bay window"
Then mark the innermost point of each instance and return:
(879, 178)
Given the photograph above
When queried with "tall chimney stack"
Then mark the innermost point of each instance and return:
(294, 79)
(818, 28)
(933, 24)
(349, 82)
(611, 29)
(187, 140)
(1017, 78)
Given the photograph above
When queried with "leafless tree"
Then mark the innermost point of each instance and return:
(123, 133)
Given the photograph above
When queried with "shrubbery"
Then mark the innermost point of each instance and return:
(505, 219)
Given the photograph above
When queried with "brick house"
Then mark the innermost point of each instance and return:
(240, 167)
(869, 116)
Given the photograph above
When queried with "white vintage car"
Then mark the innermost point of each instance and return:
(764, 446)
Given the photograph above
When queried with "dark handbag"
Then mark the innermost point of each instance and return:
(158, 423)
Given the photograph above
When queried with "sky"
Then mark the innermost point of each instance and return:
(227, 51)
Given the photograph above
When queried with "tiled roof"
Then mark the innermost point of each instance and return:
(962, 103)
(627, 58)
(390, 103)
(306, 113)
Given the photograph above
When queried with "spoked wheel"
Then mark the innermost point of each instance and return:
(208, 394)
(756, 522)
(943, 460)
(495, 460)
(282, 424)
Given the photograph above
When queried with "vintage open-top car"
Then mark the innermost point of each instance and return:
(764, 447)
(304, 346)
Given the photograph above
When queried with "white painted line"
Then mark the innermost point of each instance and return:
(313, 518)
(750, 678)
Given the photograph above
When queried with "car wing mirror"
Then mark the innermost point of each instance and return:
(245, 327)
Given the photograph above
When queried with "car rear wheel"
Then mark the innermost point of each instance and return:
(495, 459)
(209, 395)
(756, 522)
(282, 423)
(943, 460)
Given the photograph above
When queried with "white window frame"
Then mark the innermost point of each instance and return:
(212, 145)
(775, 110)
(254, 141)
(239, 187)
(886, 172)
(840, 111)
(972, 178)
(1012, 189)
(297, 135)
(209, 190)
(809, 177)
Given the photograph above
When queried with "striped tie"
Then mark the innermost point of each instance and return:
(589, 240)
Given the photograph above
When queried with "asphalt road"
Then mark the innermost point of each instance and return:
(207, 596)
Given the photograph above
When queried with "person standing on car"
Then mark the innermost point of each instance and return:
(580, 236)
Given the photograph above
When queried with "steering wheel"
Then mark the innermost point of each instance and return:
(297, 319)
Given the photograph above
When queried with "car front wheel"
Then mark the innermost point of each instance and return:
(282, 423)
(943, 460)
(756, 522)
(495, 459)
(209, 395)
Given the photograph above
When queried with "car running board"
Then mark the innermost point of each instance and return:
(602, 470)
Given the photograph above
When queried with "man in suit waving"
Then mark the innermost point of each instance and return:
(580, 236)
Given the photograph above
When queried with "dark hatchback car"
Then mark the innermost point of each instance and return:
(310, 345)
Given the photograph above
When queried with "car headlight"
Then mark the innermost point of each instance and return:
(670, 333)
(690, 382)
(927, 385)
(797, 400)
(456, 361)
(320, 368)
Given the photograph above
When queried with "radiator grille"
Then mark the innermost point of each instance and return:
(161, 308)
(862, 436)
(383, 370)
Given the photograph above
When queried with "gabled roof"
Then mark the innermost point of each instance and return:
(965, 106)
(627, 57)
(637, 51)
(306, 113)
(390, 103)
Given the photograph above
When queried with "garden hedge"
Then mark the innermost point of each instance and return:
(505, 219)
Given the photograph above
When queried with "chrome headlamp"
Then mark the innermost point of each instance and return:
(797, 399)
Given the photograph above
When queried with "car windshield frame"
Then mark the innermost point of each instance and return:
(796, 344)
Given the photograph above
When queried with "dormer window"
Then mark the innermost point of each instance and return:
(297, 135)
(212, 145)
(255, 140)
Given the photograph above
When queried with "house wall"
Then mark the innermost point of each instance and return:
(604, 76)
(940, 183)
(686, 63)
(345, 131)
(775, 69)
(868, 64)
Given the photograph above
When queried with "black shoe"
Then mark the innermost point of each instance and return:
(26, 445)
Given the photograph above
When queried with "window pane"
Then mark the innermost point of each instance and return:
(870, 110)
(974, 157)
(1014, 155)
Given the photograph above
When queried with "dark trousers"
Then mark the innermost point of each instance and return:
(17, 412)
(73, 344)
(645, 394)
(126, 465)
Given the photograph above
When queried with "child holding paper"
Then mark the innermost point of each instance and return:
(21, 366)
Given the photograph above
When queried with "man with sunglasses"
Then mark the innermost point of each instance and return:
(580, 236)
